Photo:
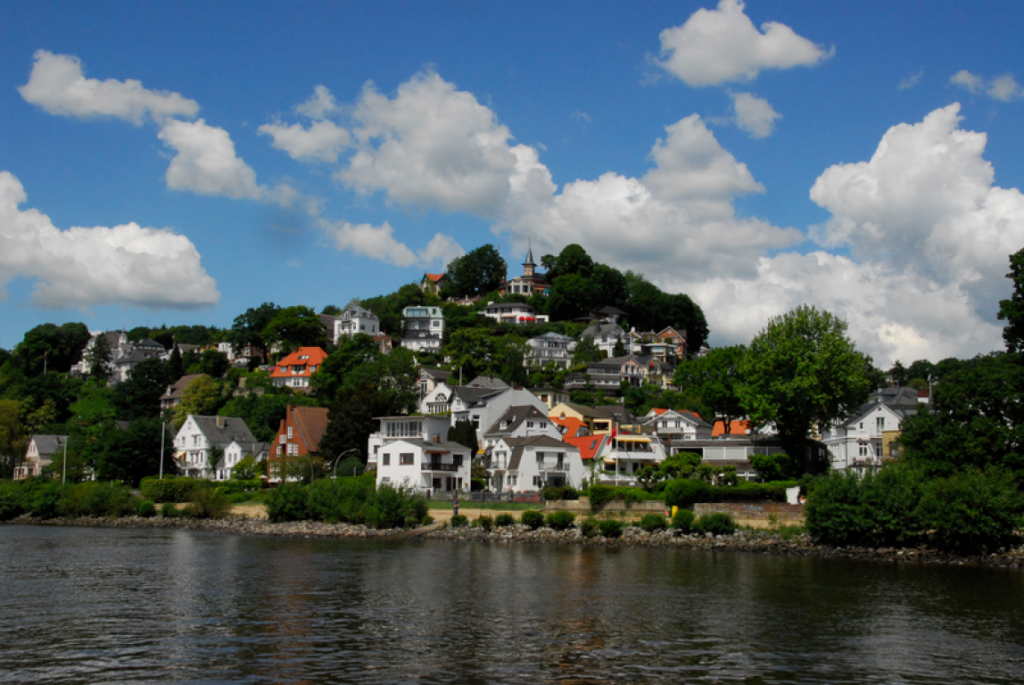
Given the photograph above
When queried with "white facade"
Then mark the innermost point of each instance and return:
(551, 347)
(625, 455)
(484, 412)
(414, 452)
(520, 422)
(237, 451)
(534, 463)
(513, 312)
(674, 427)
(355, 320)
(195, 439)
(423, 328)
(437, 401)
(858, 442)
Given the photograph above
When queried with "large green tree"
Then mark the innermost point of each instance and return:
(1012, 310)
(98, 357)
(247, 330)
(715, 379)
(13, 438)
(203, 397)
(54, 347)
(295, 327)
(801, 371)
(475, 273)
(975, 418)
(139, 396)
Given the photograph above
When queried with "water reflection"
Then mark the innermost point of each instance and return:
(90, 605)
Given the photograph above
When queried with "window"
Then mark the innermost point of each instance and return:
(290, 434)
(863, 450)
(880, 423)
(386, 459)
(405, 458)
(529, 424)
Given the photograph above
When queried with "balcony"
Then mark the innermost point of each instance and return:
(552, 466)
(438, 466)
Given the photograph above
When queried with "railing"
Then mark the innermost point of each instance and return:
(552, 466)
(438, 466)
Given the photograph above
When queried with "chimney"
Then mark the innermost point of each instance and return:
(437, 438)
(220, 422)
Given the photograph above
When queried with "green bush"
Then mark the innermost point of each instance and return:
(145, 508)
(889, 500)
(561, 520)
(685, 492)
(390, 507)
(485, 522)
(287, 502)
(44, 498)
(561, 493)
(172, 488)
(236, 487)
(532, 519)
(611, 528)
(835, 512)
(589, 527)
(459, 521)
(504, 520)
(653, 522)
(477, 484)
(627, 494)
(209, 503)
(11, 501)
(683, 521)
(340, 500)
(972, 511)
(168, 510)
(716, 524)
(600, 495)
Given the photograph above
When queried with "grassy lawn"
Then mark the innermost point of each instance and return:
(492, 506)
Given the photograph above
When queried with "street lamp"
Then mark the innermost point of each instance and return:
(337, 460)
(64, 478)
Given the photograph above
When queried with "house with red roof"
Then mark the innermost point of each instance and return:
(432, 283)
(298, 437)
(295, 370)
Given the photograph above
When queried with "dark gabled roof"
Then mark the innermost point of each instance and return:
(437, 374)
(471, 396)
(151, 344)
(519, 445)
(357, 312)
(181, 384)
(328, 321)
(603, 328)
(515, 415)
(488, 382)
(232, 430)
(614, 412)
(49, 444)
(608, 309)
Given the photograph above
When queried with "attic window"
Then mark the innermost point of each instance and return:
(304, 356)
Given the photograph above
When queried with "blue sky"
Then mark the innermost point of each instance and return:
(179, 163)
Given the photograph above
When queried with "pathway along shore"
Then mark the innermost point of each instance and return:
(757, 542)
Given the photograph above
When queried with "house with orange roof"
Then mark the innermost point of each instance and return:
(736, 427)
(570, 426)
(432, 283)
(295, 370)
(298, 437)
(675, 427)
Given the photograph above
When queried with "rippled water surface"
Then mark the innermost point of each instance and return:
(96, 605)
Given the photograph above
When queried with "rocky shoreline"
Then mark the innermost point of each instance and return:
(756, 542)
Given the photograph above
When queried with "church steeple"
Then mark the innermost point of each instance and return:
(529, 266)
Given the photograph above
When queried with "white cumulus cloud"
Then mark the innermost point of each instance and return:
(206, 162)
(928, 236)
(754, 115)
(319, 105)
(430, 145)
(723, 45)
(86, 267)
(323, 140)
(58, 85)
(378, 242)
(1003, 88)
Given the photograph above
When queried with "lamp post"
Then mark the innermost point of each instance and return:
(64, 478)
(337, 459)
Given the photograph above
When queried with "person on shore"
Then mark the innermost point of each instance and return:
(455, 505)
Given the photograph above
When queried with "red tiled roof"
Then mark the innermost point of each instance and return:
(314, 357)
(311, 423)
(570, 423)
(588, 445)
(435, 277)
(737, 427)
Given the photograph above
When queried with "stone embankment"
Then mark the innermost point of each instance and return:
(757, 542)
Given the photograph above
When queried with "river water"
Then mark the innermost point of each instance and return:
(92, 605)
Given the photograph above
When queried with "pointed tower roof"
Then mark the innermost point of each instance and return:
(529, 255)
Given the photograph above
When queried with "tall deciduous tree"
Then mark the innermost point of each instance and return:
(99, 356)
(715, 378)
(247, 330)
(202, 397)
(54, 347)
(139, 396)
(13, 439)
(295, 327)
(1012, 310)
(800, 371)
(477, 272)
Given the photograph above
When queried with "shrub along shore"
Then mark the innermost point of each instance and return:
(748, 541)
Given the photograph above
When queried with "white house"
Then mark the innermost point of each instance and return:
(40, 453)
(414, 452)
(423, 328)
(513, 312)
(483, 406)
(534, 463)
(676, 427)
(237, 451)
(625, 455)
(606, 334)
(860, 441)
(551, 347)
(520, 422)
(199, 434)
(438, 400)
(355, 319)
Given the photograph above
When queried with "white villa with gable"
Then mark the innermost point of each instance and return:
(414, 452)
